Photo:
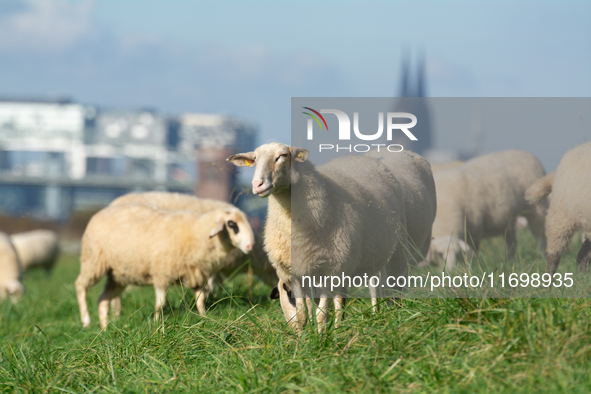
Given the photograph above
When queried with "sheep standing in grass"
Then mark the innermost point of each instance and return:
(259, 266)
(570, 206)
(38, 248)
(10, 271)
(482, 198)
(346, 216)
(136, 244)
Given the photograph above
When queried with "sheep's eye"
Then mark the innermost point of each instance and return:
(280, 156)
(232, 224)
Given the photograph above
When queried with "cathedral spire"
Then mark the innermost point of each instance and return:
(421, 76)
(405, 77)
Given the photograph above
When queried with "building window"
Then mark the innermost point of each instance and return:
(98, 166)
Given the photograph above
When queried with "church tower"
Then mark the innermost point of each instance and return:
(412, 99)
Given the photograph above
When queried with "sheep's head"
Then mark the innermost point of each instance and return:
(12, 288)
(273, 166)
(445, 251)
(235, 224)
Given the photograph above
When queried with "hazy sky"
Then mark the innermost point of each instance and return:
(250, 58)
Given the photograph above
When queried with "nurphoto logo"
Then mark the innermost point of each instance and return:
(345, 129)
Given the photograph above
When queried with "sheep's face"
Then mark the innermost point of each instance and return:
(445, 251)
(236, 225)
(273, 166)
(13, 289)
(284, 294)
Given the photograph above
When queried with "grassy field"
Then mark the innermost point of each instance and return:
(244, 345)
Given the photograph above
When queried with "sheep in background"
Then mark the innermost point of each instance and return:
(570, 206)
(10, 271)
(136, 244)
(347, 215)
(259, 266)
(445, 166)
(482, 198)
(38, 248)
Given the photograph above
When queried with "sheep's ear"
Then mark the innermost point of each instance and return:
(219, 227)
(299, 154)
(274, 293)
(242, 159)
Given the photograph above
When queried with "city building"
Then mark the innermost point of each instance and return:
(57, 156)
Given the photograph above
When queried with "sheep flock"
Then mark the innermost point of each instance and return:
(375, 214)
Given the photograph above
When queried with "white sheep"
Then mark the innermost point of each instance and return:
(38, 248)
(259, 263)
(10, 271)
(346, 216)
(483, 198)
(445, 166)
(570, 206)
(141, 245)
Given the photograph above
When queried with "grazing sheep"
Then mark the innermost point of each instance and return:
(10, 271)
(445, 166)
(347, 216)
(259, 266)
(570, 206)
(136, 244)
(482, 198)
(38, 248)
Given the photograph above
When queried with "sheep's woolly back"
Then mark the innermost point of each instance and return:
(169, 200)
(445, 166)
(141, 245)
(414, 174)
(10, 271)
(37, 248)
(540, 189)
(482, 197)
(347, 216)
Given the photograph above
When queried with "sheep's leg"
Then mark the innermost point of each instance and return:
(112, 289)
(322, 312)
(116, 301)
(310, 308)
(511, 241)
(89, 276)
(339, 309)
(373, 293)
(160, 300)
(81, 286)
(584, 255)
(200, 296)
(116, 306)
(301, 314)
(535, 223)
(289, 309)
(558, 232)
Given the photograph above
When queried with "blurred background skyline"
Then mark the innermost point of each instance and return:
(98, 98)
(249, 59)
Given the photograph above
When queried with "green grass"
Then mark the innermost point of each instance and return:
(244, 344)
